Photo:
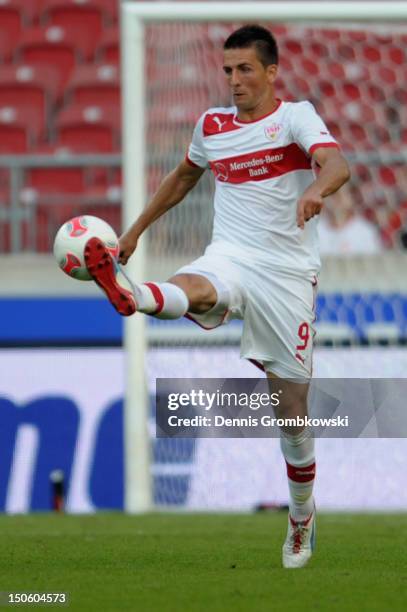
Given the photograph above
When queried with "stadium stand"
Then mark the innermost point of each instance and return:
(62, 56)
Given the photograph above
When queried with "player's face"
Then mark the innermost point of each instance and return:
(250, 82)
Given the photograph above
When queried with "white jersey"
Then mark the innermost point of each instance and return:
(261, 169)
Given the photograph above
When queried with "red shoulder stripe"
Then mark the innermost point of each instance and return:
(323, 145)
(219, 123)
(190, 162)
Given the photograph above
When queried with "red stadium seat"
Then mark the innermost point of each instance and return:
(6, 46)
(95, 138)
(4, 182)
(358, 133)
(327, 89)
(385, 75)
(375, 93)
(11, 23)
(281, 88)
(361, 173)
(20, 129)
(346, 52)
(50, 47)
(92, 113)
(279, 30)
(110, 8)
(89, 128)
(330, 35)
(109, 194)
(381, 39)
(380, 136)
(372, 53)
(292, 46)
(309, 67)
(350, 90)
(397, 55)
(285, 64)
(387, 176)
(400, 95)
(77, 35)
(318, 49)
(54, 35)
(176, 114)
(14, 138)
(356, 36)
(86, 15)
(47, 181)
(27, 88)
(29, 9)
(336, 128)
(335, 70)
(90, 84)
(186, 75)
(301, 87)
(108, 49)
(55, 194)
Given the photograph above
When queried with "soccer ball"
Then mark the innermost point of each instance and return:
(71, 239)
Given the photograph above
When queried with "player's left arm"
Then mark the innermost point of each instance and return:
(334, 172)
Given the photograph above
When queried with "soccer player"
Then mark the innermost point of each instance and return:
(263, 261)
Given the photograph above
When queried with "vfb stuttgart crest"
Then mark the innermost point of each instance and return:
(221, 171)
(273, 131)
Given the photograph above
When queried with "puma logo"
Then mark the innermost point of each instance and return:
(219, 123)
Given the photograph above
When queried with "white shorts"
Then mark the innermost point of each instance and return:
(277, 308)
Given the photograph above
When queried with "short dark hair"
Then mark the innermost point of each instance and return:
(258, 37)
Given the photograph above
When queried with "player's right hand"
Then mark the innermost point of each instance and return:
(309, 205)
(127, 246)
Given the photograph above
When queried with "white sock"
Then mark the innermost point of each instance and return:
(299, 454)
(162, 300)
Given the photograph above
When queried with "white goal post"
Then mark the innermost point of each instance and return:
(134, 17)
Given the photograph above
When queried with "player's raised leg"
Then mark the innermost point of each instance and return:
(170, 300)
(297, 445)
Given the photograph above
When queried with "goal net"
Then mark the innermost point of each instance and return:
(349, 60)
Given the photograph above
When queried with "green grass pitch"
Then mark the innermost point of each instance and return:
(209, 562)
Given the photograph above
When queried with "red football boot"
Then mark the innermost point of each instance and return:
(104, 271)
